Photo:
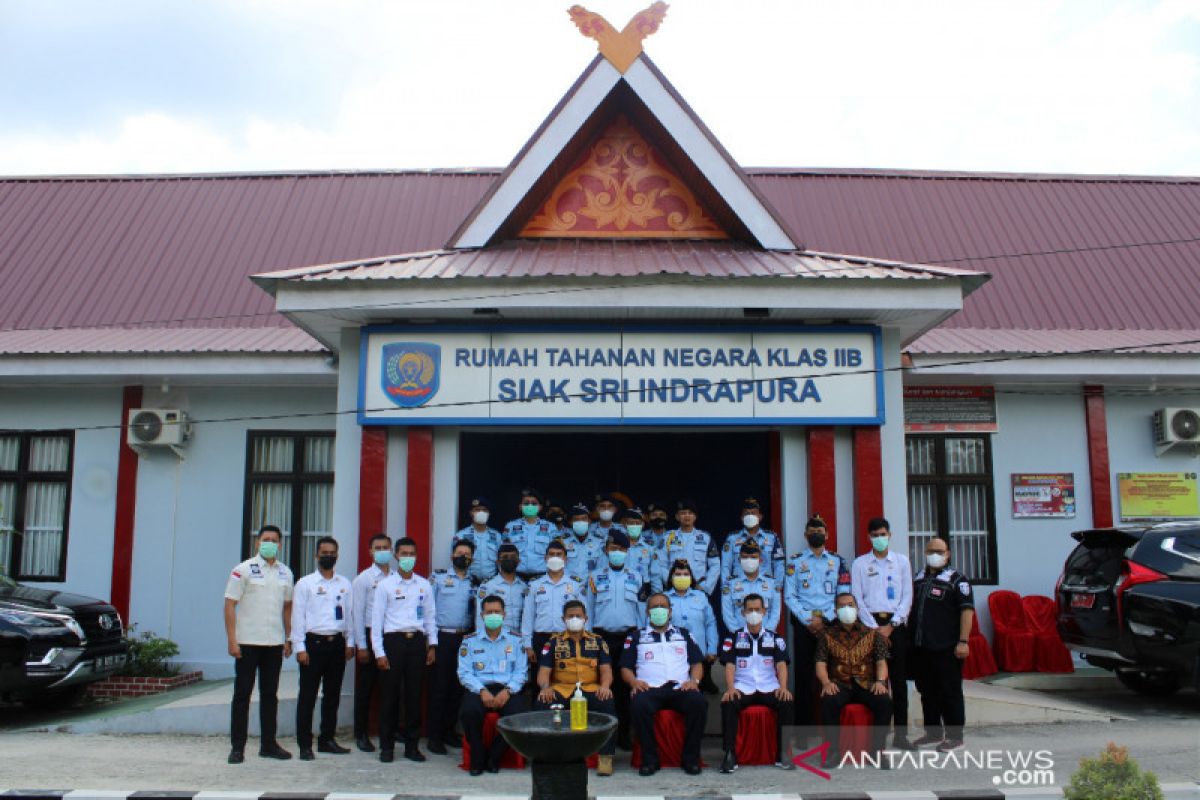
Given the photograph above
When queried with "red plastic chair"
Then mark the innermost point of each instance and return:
(668, 734)
(756, 737)
(1012, 639)
(980, 662)
(511, 758)
(1049, 653)
(854, 730)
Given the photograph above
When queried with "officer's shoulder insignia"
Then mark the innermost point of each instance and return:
(964, 587)
(791, 569)
(780, 644)
(482, 592)
(726, 547)
(724, 590)
(727, 645)
(796, 555)
(462, 652)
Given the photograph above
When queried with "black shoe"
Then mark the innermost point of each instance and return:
(476, 772)
(729, 763)
(414, 754)
(694, 769)
(929, 738)
(625, 745)
(647, 770)
(387, 756)
(236, 756)
(493, 766)
(785, 765)
(883, 762)
(364, 744)
(274, 751)
(306, 754)
(331, 746)
(902, 743)
(949, 744)
(453, 742)
(437, 747)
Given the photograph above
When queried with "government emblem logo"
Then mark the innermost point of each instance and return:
(411, 373)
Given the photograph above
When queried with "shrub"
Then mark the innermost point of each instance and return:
(1112, 776)
(148, 655)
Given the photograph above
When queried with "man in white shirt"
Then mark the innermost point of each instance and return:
(882, 585)
(367, 676)
(258, 620)
(404, 636)
(322, 615)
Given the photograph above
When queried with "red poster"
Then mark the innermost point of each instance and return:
(1043, 494)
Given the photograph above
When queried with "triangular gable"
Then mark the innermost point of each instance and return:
(699, 163)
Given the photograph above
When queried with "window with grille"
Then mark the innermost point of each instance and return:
(951, 496)
(35, 496)
(289, 484)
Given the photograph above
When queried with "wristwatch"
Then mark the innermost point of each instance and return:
(963, 641)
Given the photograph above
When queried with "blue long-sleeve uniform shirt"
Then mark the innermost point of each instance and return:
(544, 605)
(584, 555)
(810, 584)
(734, 592)
(483, 660)
(692, 610)
(531, 539)
(618, 599)
(454, 600)
(769, 542)
(699, 549)
(487, 544)
(643, 558)
(513, 595)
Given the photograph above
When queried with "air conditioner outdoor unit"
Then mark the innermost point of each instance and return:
(158, 427)
(1176, 426)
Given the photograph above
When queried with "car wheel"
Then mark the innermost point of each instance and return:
(1151, 684)
(64, 698)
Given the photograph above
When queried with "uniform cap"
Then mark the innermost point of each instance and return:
(632, 513)
(479, 501)
(580, 510)
(607, 497)
(815, 522)
(619, 538)
(655, 506)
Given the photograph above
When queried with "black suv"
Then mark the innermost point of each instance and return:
(52, 644)
(1129, 601)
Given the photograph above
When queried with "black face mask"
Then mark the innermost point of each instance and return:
(815, 539)
(508, 565)
(461, 562)
(557, 519)
(658, 523)
(326, 562)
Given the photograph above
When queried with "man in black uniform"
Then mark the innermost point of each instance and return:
(942, 611)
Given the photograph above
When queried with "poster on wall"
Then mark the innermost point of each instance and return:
(950, 409)
(1158, 496)
(1043, 494)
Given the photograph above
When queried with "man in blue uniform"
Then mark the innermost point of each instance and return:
(662, 665)
(753, 581)
(544, 603)
(690, 544)
(492, 670)
(487, 540)
(618, 593)
(607, 509)
(657, 518)
(769, 542)
(506, 585)
(585, 552)
(531, 534)
(810, 587)
(643, 556)
(454, 599)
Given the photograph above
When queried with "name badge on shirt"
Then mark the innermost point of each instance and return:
(828, 587)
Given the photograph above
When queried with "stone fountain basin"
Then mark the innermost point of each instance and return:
(534, 735)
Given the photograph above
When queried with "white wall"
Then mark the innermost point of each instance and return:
(94, 482)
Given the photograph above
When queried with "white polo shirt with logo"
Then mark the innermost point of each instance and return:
(260, 590)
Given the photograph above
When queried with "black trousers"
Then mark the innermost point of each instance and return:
(325, 669)
(692, 705)
(537, 641)
(264, 661)
(594, 704)
(620, 689)
(445, 692)
(879, 704)
(402, 682)
(365, 681)
(471, 716)
(898, 647)
(731, 710)
(938, 675)
(804, 649)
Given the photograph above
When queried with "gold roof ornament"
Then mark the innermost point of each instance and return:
(620, 48)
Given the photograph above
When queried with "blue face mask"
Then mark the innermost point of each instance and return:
(382, 557)
(493, 621)
(580, 527)
(617, 558)
(659, 616)
(880, 543)
(407, 563)
(268, 550)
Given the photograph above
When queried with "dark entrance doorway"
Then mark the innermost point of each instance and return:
(717, 470)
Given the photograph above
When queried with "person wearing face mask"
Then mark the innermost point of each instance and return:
(690, 544)
(882, 585)
(322, 614)
(662, 666)
(544, 603)
(556, 515)
(756, 672)
(531, 534)
(493, 671)
(258, 623)
(692, 609)
(769, 543)
(485, 539)
(585, 553)
(507, 586)
(454, 598)
(367, 675)
(941, 627)
(810, 584)
(607, 509)
(618, 592)
(851, 667)
(753, 581)
(657, 519)
(576, 656)
(642, 557)
(404, 636)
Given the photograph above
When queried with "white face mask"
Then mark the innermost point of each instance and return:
(754, 617)
(606, 515)
(749, 565)
(480, 517)
(580, 527)
(750, 520)
(935, 560)
(847, 614)
(555, 564)
(574, 624)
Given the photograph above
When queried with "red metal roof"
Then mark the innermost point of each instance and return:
(145, 341)
(972, 341)
(1065, 252)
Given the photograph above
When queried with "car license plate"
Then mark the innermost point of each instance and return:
(1083, 600)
